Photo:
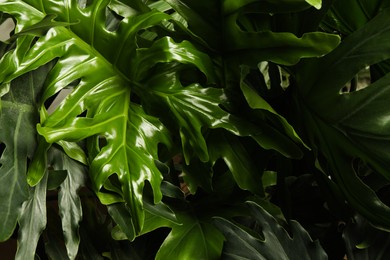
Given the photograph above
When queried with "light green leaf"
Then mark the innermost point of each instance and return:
(316, 3)
(192, 240)
(103, 91)
(193, 234)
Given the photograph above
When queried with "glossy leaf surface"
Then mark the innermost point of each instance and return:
(76, 60)
(147, 82)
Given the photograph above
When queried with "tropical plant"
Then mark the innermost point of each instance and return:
(194, 129)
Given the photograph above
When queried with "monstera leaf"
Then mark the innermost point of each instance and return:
(272, 242)
(245, 43)
(364, 241)
(98, 53)
(346, 126)
(105, 95)
(103, 67)
(149, 80)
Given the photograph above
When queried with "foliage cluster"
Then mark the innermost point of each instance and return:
(196, 129)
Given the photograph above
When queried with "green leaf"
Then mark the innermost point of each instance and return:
(53, 235)
(32, 221)
(255, 101)
(156, 216)
(56, 178)
(193, 234)
(18, 117)
(202, 18)
(193, 107)
(273, 241)
(268, 6)
(343, 126)
(316, 3)
(237, 156)
(123, 219)
(349, 15)
(193, 239)
(69, 202)
(251, 47)
(269, 178)
(40, 28)
(131, 157)
(197, 174)
(364, 242)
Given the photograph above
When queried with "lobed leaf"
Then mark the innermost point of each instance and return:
(18, 116)
(69, 202)
(344, 126)
(236, 155)
(273, 242)
(112, 118)
(193, 239)
(269, 6)
(32, 221)
(364, 241)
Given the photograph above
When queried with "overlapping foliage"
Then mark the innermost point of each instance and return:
(179, 113)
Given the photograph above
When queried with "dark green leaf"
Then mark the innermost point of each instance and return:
(18, 117)
(197, 174)
(347, 125)
(268, 6)
(122, 217)
(275, 244)
(251, 47)
(237, 157)
(364, 242)
(69, 202)
(32, 221)
(56, 178)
